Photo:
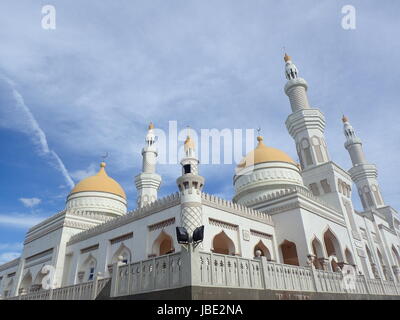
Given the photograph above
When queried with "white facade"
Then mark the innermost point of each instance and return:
(288, 213)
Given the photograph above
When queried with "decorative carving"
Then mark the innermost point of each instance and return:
(222, 224)
(162, 224)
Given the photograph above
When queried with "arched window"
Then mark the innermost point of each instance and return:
(223, 244)
(289, 253)
(264, 250)
(317, 147)
(305, 145)
(163, 244)
(368, 196)
(377, 196)
(123, 252)
(88, 268)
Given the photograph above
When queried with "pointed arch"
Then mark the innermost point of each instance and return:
(223, 244)
(396, 256)
(289, 253)
(163, 244)
(318, 251)
(37, 283)
(124, 252)
(349, 257)
(332, 245)
(333, 261)
(264, 250)
(26, 282)
(382, 263)
(89, 268)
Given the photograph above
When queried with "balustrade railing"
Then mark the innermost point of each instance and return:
(194, 268)
(83, 291)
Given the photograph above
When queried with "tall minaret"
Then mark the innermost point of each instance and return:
(148, 182)
(190, 186)
(305, 125)
(362, 173)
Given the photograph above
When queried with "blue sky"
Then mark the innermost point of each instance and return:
(93, 84)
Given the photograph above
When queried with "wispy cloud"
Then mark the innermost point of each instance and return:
(78, 175)
(38, 136)
(23, 221)
(8, 256)
(30, 202)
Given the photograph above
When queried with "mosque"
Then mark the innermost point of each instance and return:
(288, 213)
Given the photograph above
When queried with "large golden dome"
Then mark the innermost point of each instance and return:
(100, 182)
(262, 154)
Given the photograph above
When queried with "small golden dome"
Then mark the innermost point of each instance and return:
(100, 182)
(151, 125)
(345, 119)
(287, 58)
(262, 154)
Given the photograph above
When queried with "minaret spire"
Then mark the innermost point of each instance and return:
(148, 181)
(362, 173)
(190, 185)
(305, 124)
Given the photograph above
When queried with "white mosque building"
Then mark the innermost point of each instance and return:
(287, 213)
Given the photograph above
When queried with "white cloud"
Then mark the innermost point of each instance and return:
(20, 220)
(8, 256)
(30, 202)
(11, 246)
(78, 175)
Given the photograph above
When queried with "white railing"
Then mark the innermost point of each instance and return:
(229, 271)
(286, 277)
(149, 275)
(83, 291)
(216, 270)
(194, 268)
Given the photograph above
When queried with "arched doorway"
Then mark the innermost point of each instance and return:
(223, 244)
(163, 244)
(332, 245)
(264, 250)
(318, 253)
(349, 257)
(289, 253)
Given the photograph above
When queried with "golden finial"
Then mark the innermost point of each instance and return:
(287, 58)
(345, 119)
(260, 139)
(151, 126)
(102, 164)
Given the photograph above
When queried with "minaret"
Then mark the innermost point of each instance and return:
(362, 173)
(148, 182)
(305, 125)
(190, 186)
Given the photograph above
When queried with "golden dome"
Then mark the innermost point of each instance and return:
(100, 182)
(151, 125)
(345, 119)
(262, 154)
(287, 58)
